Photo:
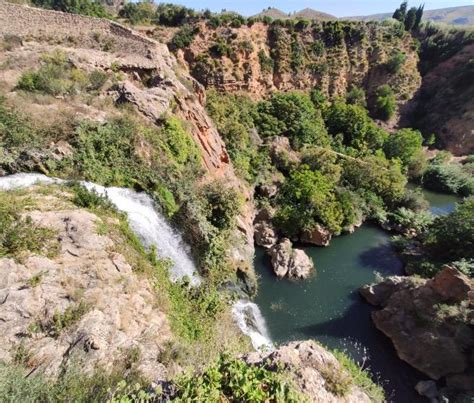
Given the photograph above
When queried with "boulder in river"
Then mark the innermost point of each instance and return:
(286, 261)
(318, 236)
(428, 321)
(265, 234)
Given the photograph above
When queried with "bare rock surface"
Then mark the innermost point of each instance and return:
(312, 368)
(319, 236)
(119, 309)
(286, 261)
(428, 321)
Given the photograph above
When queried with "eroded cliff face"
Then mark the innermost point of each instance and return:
(329, 56)
(445, 103)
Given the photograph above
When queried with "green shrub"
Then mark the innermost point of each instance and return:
(90, 198)
(57, 76)
(385, 103)
(406, 145)
(356, 96)
(234, 380)
(266, 62)
(448, 178)
(174, 15)
(396, 62)
(84, 7)
(183, 38)
(136, 13)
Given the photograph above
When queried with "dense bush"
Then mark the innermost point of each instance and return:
(292, 115)
(266, 62)
(173, 15)
(385, 102)
(85, 7)
(138, 13)
(234, 380)
(407, 146)
(356, 96)
(306, 199)
(57, 76)
(358, 130)
(451, 237)
(449, 178)
(184, 37)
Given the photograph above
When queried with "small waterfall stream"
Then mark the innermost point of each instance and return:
(154, 230)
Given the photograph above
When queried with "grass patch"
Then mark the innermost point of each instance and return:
(19, 234)
(57, 76)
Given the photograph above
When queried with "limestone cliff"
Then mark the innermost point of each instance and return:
(330, 56)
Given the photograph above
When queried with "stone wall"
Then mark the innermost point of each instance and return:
(36, 23)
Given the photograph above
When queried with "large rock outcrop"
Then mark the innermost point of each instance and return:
(85, 306)
(287, 261)
(314, 370)
(429, 321)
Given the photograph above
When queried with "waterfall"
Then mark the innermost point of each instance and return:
(154, 230)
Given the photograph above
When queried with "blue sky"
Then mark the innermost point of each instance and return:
(340, 8)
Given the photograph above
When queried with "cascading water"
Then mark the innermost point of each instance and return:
(153, 230)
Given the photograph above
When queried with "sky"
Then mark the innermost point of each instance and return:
(339, 8)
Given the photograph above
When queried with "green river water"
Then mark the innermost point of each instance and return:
(328, 308)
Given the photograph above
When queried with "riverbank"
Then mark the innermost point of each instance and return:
(328, 308)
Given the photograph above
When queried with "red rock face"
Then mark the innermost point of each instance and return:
(452, 285)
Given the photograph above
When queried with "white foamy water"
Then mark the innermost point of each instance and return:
(154, 230)
(251, 322)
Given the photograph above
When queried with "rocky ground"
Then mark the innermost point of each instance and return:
(86, 306)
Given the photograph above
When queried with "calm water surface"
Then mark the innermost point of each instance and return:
(328, 308)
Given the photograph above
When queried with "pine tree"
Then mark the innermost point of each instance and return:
(400, 13)
(419, 16)
(410, 19)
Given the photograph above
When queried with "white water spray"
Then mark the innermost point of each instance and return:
(153, 230)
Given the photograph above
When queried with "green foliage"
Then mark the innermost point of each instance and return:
(15, 129)
(406, 145)
(406, 219)
(266, 62)
(451, 237)
(85, 7)
(173, 15)
(353, 122)
(184, 37)
(306, 199)
(138, 13)
(356, 96)
(234, 117)
(234, 380)
(375, 174)
(221, 48)
(57, 76)
(449, 178)
(90, 198)
(292, 115)
(63, 320)
(385, 103)
(18, 384)
(20, 234)
(396, 62)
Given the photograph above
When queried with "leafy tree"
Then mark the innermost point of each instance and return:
(396, 62)
(84, 7)
(306, 199)
(173, 15)
(400, 13)
(184, 37)
(385, 103)
(292, 115)
(137, 13)
(410, 19)
(419, 16)
(357, 128)
(451, 237)
(405, 144)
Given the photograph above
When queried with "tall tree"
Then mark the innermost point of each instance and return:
(419, 16)
(410, 19)
(400, 13)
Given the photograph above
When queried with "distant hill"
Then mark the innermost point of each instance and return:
(310, 14)
(463, 15)
(307, 14)
(274, 13)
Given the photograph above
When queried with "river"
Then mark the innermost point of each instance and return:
(328, 308)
